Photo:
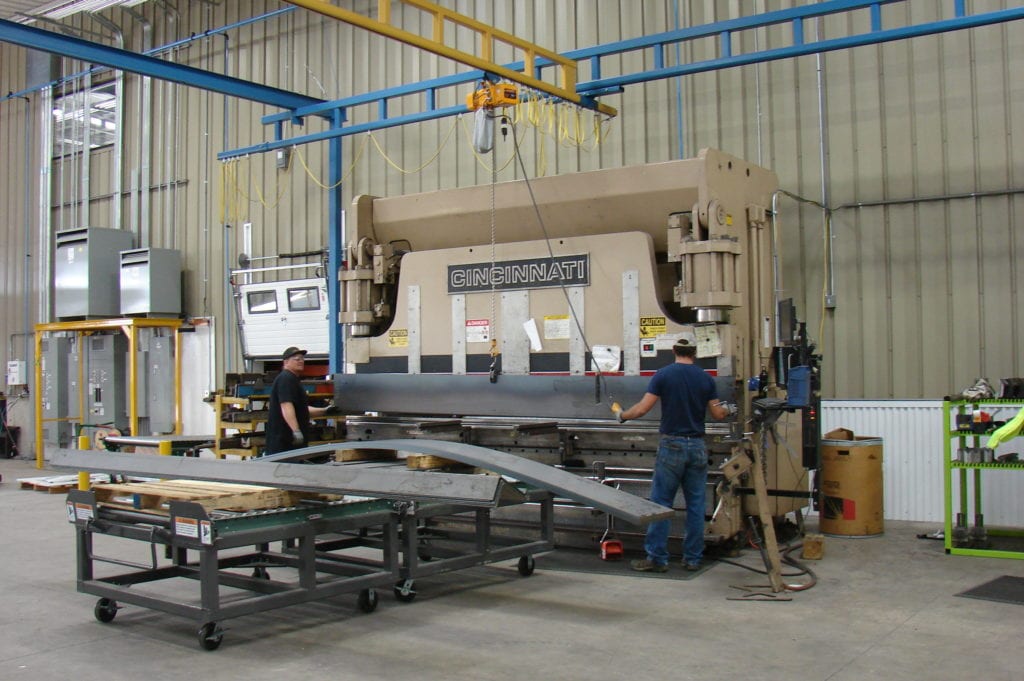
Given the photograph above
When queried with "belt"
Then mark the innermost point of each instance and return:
(684, 437)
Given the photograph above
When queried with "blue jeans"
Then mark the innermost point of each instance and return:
(682, 461)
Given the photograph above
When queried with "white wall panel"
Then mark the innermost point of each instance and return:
(912, 459)
(912, 450)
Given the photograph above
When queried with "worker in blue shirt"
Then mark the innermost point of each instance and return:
(686, 392)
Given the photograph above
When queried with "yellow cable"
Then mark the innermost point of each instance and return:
(563, 125)
(425, 163)
(344, 176)
(542, 155)
(279, 192)
(220, 197)
(233, 177)
(479, 159)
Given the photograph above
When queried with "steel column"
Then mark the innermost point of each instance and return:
(335, 247)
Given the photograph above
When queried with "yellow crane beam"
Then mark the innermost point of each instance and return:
(488, 35)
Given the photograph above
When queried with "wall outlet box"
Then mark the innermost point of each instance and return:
(16, 372)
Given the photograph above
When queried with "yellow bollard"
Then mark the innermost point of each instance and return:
(164, 448)
(83, 476)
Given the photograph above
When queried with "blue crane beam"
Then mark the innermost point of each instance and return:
(800, 45)
(95, 53)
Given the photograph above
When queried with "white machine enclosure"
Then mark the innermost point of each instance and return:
(275, 314)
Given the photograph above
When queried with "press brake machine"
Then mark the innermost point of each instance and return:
(511, 316)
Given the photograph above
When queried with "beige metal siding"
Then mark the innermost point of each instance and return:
(926, 291)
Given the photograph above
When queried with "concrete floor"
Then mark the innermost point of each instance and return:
(884, 608)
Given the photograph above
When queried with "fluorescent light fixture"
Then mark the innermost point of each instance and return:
(65, 8)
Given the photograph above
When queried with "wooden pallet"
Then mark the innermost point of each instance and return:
(153, 497)
(347, 455)
(429, 462)
(58, 484)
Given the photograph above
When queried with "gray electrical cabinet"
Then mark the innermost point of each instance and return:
(154, 384)
(151, 282)
(74, 382)
(55, 353)
(141, 387)
(159, 372)
(106, 388)
(86, 272)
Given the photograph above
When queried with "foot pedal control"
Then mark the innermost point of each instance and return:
(611, 549)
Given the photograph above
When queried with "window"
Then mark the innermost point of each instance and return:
(262, 302)
(97, 108)
(300, 299)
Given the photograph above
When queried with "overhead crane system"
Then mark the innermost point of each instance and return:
(867, 27)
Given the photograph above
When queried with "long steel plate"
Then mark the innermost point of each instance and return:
(622, 505)
(388, 483)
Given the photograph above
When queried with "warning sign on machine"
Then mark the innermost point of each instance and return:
(652, 326)
(556, 327)
(398, 338)
(478, 330)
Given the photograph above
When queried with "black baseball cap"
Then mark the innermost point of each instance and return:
(292, 351)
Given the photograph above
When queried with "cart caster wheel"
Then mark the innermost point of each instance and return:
(105, 610)
(210, 636)
(368, 599)
(404, 591)
(260, 573)
(527, 565)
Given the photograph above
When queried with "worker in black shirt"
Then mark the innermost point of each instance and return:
(288, 423)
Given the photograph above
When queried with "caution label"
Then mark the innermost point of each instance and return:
(79, 511)
(652, 326)
(398, 338)
(556, 327)
(186, 527)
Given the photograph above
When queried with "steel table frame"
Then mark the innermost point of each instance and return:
(300, 550)
(411, 546)
(457, 551)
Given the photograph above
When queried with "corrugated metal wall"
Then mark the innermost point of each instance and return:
(926, 289)
(912, 459)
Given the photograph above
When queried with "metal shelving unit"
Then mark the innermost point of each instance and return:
(966, 478)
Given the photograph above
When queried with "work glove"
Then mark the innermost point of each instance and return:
(330, 409)
(617, 410)
(730, 407)
(298, 438)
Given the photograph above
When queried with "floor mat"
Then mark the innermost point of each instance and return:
(1005, 589)
(579, 560)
